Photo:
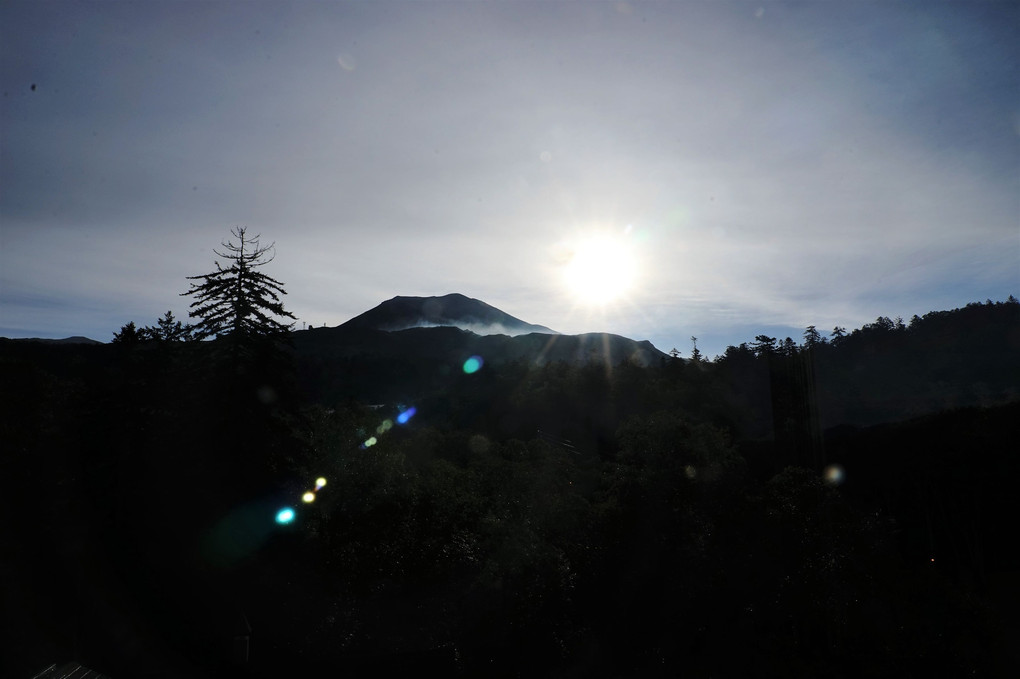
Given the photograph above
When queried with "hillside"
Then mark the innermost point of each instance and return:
(555, 506)
(452, 310)
(411, 345)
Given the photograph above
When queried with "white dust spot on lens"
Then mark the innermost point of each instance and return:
(346, 62)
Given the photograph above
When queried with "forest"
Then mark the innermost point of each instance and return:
(839, 506)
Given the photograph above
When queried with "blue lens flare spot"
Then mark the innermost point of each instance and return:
(473, 364)
(403, 417)
(285, 516)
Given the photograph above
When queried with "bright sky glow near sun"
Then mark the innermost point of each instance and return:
(656, 170)
(600, 269)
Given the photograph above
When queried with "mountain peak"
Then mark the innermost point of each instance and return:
(451, 310)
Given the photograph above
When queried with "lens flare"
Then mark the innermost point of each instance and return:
(285, 516)
(834, 474)
(384, 427)
(320, 482)
(473, 364)
(403, 417)
(371, 442)
(308, 497)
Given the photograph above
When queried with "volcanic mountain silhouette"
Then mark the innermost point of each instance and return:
(409, 345)
(453, 310)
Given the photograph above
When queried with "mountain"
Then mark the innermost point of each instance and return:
(416, 344)
(77, 339)
(453, 310)
(380, 366)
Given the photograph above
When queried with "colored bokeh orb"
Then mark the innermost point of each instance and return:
(834, 474)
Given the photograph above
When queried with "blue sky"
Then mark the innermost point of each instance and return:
(766, 165)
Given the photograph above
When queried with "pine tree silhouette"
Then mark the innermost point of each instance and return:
(236, 300)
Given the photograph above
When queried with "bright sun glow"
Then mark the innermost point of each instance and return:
(600, 270)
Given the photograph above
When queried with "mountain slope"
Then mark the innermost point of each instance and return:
(77, 339)
(414, 344)
(379, 366)
(453, 310)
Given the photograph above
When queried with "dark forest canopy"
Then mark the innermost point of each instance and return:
(564, 519)
(883, 371)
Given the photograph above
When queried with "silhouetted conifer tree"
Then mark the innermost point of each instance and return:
(763, 345)
(128, 334)
(695, 354)
(237, 300)
(812, 337)
(248, 383)
(167, 329)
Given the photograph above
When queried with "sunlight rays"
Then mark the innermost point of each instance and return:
(601, 272)
(600, 269)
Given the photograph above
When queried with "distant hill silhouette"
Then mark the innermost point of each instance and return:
(455, 344)
(408, 344)
(77, 339)
(453, 310)
(885, 371)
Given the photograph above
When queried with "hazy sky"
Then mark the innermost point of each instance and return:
(766, 165)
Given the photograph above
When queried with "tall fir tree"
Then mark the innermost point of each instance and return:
(128, 334)
(237, 300)
(812, 338)
(246, 394)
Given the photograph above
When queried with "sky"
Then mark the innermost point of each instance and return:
(741, 167)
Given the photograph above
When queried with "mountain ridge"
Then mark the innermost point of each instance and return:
(409, 345)
(450, 310)
(76, 339)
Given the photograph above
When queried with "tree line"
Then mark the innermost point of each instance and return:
(556, 520)
(236, 302)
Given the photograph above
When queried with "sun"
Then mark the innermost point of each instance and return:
(600, 270)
